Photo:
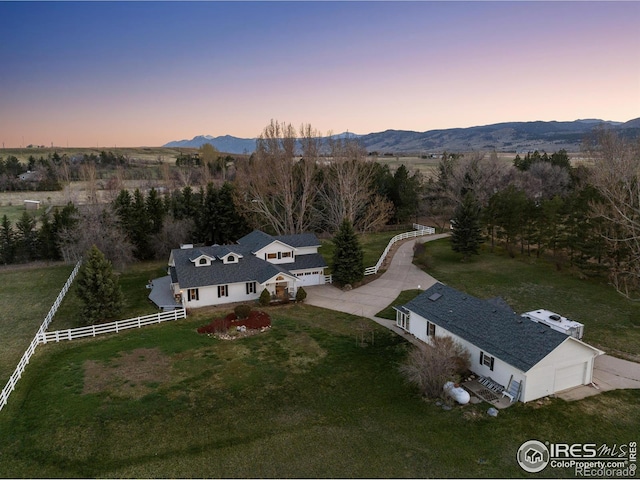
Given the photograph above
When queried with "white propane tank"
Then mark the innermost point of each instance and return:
(459, 394)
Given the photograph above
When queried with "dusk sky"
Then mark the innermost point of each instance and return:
(145, 73)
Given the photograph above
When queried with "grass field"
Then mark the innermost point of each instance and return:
(15, 211)
(301, 400)
(26, 295)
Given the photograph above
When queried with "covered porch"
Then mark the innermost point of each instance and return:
(162, 294)
(282, 287)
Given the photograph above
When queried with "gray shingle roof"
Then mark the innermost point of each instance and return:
(257, 240)
(507, 336)
(302, 262)
(299, 240)
(248, 269)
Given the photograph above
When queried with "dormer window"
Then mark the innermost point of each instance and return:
(202, 261)
(230, 258)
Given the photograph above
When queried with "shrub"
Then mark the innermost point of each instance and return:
(429, 367)
(265, 298)
(255, 320)
(301, 294)
(242, 311)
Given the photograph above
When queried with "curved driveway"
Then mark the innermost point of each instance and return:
(609, 372)
(372, 297)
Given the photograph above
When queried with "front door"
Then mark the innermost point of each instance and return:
(281, 289)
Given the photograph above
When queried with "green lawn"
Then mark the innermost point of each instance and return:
(133, 284)
(301, 400)
(527, 283)
(14, 212)
(26, 295)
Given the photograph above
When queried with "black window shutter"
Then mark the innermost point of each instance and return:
(491, 367)
(481, 357)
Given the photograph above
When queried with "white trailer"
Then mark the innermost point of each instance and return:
(556, 322)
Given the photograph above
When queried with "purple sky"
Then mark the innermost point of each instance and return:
(132, 74)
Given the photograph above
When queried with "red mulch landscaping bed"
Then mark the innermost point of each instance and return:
(255, 321)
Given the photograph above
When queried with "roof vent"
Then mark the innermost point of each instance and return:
(555, 317)
(435, 297)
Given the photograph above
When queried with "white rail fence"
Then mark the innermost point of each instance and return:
(419, 231)
(113, 327)
(24, 361)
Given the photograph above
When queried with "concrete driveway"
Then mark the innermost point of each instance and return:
(369, 299)
(609, 373)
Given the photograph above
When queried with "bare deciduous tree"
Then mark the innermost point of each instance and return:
(543, 181)
(478, 173)
(173, 234)
(616, 175)
(88, 174)
(429, 367)
(348, 191)
(97, 225)
(276, 188)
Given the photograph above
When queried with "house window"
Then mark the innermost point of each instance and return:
(193, 294)
(431, 329)
(231, 259)
(202, 261)
(286, 254)
(251, 288)
(402, 320)
(272, 256)
(223, 291)
(487, 360)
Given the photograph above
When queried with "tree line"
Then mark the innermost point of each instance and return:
(587, 217)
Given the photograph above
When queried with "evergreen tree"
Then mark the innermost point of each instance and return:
(140, 228)
(231, 225)
(207, 217)
(98, 289)
(405, 194)
(155, 211)
(467, 233)
(27, 238)
(7, 242)
(47, 248)
(348, 263)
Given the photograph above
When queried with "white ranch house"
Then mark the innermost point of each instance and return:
(220, 274)
(529, 359)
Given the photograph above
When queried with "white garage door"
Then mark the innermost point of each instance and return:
(310, 278)
(568, 377)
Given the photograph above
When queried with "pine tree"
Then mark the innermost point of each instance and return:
(98, 289)
(348, 263)
(155, 211)
(467, 233)
(27, 238)
(7, 242)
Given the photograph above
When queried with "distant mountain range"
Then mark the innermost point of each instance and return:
(507, 137)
